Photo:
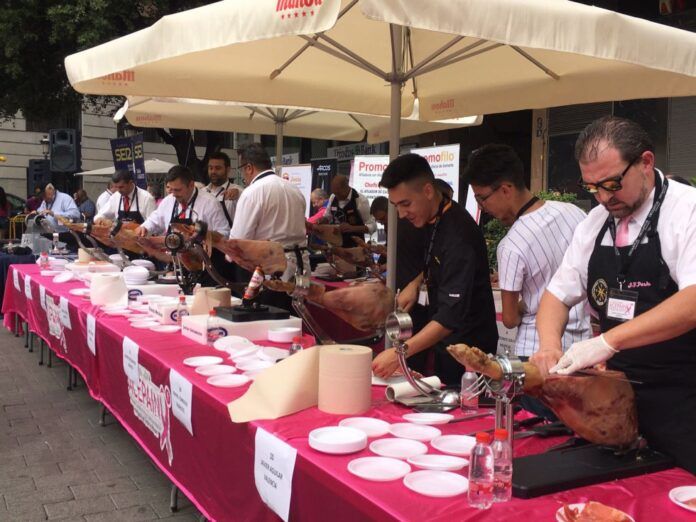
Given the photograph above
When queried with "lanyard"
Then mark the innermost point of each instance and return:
(261, 176)
(130, 203)
(625, 263)
(526, 207)
(429, 252)
(175, 214)
(223, 189)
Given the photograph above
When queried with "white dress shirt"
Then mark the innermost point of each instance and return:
(63, 206)
(528, 256)
(363, 208)
(205, 208)
(676, 228)
(102, 200)
(271, 208)
(219, 194)
(145, 204)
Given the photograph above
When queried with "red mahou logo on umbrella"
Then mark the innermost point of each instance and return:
(290, 9)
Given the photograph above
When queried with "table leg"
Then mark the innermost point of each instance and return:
(102, 416)
(26, 335)
(50, 357)
(16, 325)
(174, 499)
(31, 341)
(41, 351)
(70, 377)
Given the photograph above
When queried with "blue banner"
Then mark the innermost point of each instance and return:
(128, 154)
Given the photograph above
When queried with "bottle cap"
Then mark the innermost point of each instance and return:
(483, 438)
(212, 312)
(182, 298)
(295, 340)
(501, 434)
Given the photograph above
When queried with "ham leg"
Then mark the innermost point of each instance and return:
(329, 233)
(249, 254)
(599, 407)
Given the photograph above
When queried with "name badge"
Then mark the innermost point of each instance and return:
(621, 305)
(423, 295)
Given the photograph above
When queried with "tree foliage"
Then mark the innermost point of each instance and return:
(37, 35)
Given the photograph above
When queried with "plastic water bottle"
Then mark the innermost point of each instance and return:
(296, 346)
(467, 396)
(44, 263)
(502, 467)
(181, 309)
(210, 327)
(481, 473)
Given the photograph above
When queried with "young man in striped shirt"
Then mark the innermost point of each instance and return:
(532, 250)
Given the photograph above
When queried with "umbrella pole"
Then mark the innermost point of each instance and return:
(394, 143)
(279, 147)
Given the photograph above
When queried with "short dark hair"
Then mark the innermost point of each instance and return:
(407, 168)
(179, 172)
(445, 188)
(625, 135)
(380, 203)
(122, 175)
(256, 155)
(219, 155)
(494, 164)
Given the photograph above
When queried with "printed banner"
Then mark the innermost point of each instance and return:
(128, 154)
(366, 174)
(301, 177)
(444, 160)
(323, 171)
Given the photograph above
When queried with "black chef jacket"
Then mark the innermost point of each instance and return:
(459, 289)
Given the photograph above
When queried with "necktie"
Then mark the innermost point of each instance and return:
(622, 232)
(182, 212)
(126, 204)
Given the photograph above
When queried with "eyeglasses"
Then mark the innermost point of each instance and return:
(481, 199)
(240, 167)
(610, 184)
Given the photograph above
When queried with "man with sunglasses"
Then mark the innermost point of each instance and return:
(533, 247)
(634, 259)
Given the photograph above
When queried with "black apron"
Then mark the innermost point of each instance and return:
(666, 399)
(183, 220)
(222, 202)
(348, 214)
(130, 215)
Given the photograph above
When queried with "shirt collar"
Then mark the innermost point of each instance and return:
(641, 214)
(260, 174)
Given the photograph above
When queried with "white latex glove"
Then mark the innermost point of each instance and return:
(584, 354)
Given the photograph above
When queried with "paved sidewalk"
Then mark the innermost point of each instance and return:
(57, 463)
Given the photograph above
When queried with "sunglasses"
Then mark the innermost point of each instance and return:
(610, 184)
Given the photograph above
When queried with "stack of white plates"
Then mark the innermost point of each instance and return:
(136, 275)
(144, 263)
(324, 270)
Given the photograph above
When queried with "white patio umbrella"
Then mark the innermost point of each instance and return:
(152, 166)
(458, 57)
(191, 113)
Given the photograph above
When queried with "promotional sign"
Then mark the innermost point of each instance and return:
(301, 177)
(444, 160)
(128, 154)
(366, 174)
(274, 466)
(288, 159)
(323, 171)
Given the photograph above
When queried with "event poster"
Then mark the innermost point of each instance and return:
(444, 160)
(366, 174)
(128, 154)
(323, 171)
(301, 177)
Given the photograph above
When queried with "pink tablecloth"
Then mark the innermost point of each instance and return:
(214, 467)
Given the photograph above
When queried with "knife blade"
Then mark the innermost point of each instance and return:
(474, 416)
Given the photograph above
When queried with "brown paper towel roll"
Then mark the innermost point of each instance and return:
(345, 379)
(403, 390)
(205, 299)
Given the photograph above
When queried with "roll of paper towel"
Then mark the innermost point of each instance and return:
(205, 299)
(108, 289)
(403, 390)
(345, 379)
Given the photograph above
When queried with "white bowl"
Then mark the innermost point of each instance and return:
(146, 263)
(284, 335)
(337, 440)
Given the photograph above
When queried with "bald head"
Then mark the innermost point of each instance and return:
(340, 187)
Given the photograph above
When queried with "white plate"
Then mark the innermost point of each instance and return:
(63, 277)
(428, 418)
(243, 352)
(407, 430)
(398, 448)
(284, 334)
(246, 359)
(254, 366)
(215, 369)
(560, 517)
(79, 291)
(166, 328)
(396, 379)
(230, 380)
(379, 469)
(682, 493)
(231, 343)
(269, 353)
(122, 311)
(51, 273)
(438, 484)
(202, 360)
(460, 445)
(438, 462)
(371, 427)
(337, 440)
(145, 324)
